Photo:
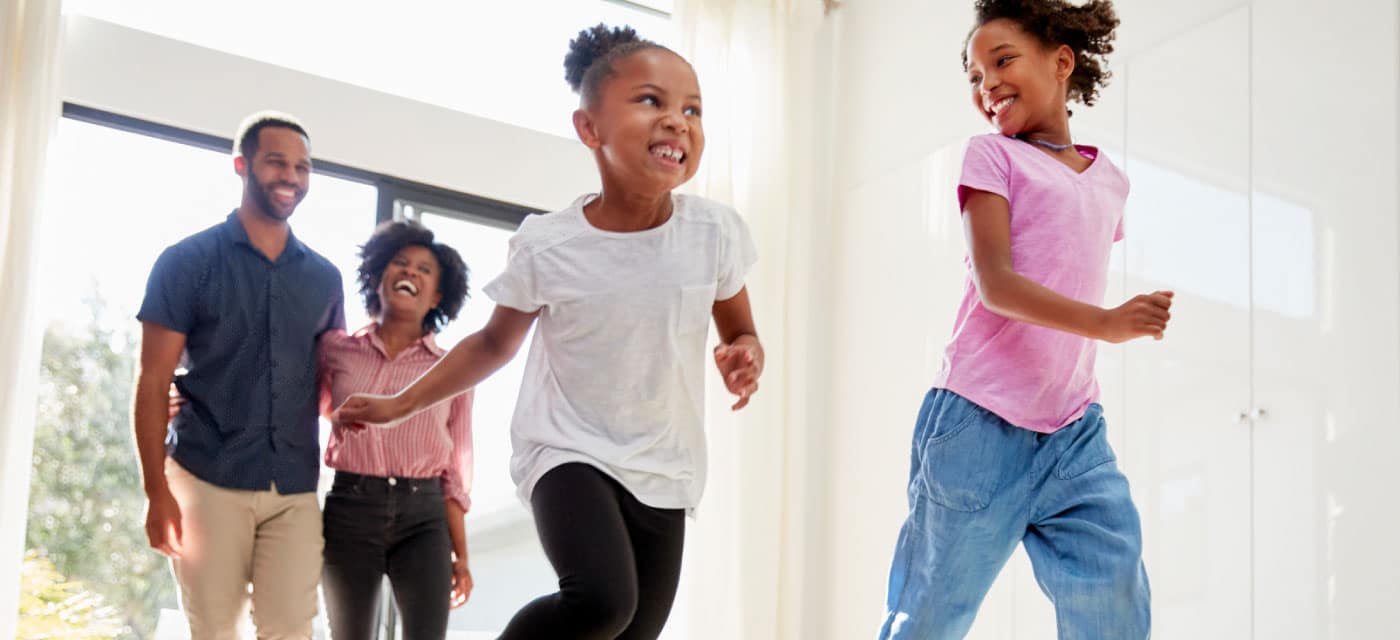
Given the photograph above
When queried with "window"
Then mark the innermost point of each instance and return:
(507, 562)
(498, 59)
(116, 198)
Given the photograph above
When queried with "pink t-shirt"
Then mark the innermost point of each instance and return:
(1063, 225)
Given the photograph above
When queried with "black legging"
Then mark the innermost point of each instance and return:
(618, 560)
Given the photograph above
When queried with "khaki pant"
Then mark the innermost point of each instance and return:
(235, 538)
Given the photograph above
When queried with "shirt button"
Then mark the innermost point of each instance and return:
(393, 482)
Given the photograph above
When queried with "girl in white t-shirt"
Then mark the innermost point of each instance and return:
(609, 447)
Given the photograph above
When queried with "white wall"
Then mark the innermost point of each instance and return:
(1262, 141)
(134, 73)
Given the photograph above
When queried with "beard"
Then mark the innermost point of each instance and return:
(263, 198)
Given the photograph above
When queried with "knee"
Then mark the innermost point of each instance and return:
(286, 620)
(604, 611)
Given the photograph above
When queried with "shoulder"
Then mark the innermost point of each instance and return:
(1110, 171)
(196, 248)
(543, 231)
(991, 143)
(696, 209)
(334, 341)
(321, 265)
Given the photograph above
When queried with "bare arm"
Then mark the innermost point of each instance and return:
(987, 223)
(461, 575)
(466, 365)
(739, 355)
(160, 354)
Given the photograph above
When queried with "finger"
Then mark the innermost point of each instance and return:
(176, 537)
(745, 382)
(1160, 300)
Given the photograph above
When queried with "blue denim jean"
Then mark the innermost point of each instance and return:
(979, 486)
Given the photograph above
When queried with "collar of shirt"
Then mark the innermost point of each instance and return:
(368, 334)
(236, 234)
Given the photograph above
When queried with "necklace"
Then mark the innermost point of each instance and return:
(1047, 144)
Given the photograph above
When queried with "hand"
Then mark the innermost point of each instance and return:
(176, 401)
(740, 363)
(1144, 315)
(163, 528)
(461, 583)
(363, 409)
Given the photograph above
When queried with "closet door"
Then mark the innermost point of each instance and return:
(1326, 319)
(1187, 450)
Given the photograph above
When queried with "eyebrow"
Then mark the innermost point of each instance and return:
(648, 85)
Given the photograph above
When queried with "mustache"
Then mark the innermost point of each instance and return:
(286, 185)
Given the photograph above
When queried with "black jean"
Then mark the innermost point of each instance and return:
(386, 526)
(618, 560)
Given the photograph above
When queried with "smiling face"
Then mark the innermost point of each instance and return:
(408, 288)
(1018, 84)
(278, 175)
(644, 125)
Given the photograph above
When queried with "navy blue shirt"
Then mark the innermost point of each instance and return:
(251, 326)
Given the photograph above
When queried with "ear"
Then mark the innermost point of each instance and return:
(587, 129)
(240, 166)
(1064, 63)
(437, 300)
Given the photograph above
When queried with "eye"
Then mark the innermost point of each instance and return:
(1004, 60)
(974, 79)
(649, 99)
(692, 111)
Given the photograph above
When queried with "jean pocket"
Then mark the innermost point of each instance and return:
(1088, 451)
(962, 464)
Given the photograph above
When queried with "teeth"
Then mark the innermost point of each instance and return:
(1001, 105)
(668, 152)
(404, 285)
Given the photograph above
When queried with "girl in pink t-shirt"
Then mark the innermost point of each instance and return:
(1009, 446)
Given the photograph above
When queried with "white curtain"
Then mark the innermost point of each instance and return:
(759, 67)
(29, 107)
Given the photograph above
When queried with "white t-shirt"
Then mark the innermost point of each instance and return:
(615, 374)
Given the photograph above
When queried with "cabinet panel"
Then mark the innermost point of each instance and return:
(1187, 450)
(1327, 318)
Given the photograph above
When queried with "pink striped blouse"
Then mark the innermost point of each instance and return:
(434, 443)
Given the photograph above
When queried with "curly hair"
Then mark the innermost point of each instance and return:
(1086, 29)
(386, 242)
(594, 52)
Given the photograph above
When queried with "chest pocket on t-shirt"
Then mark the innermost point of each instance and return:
(697, 302)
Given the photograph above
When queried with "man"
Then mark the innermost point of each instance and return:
(230, 482)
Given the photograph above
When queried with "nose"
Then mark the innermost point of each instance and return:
(289, 175)
(675, 121)
(989, 83)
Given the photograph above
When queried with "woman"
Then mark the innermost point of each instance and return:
(399, 496)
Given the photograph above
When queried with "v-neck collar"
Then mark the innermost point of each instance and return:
(1081, 148)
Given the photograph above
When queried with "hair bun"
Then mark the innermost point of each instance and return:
(591, 45)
